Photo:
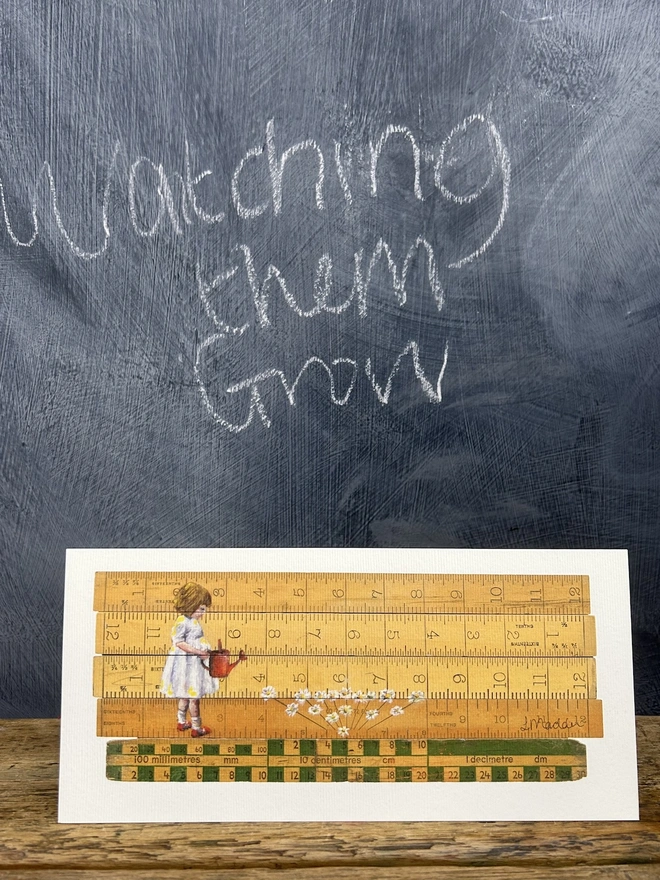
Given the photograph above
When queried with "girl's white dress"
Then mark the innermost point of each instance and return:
(184, 676)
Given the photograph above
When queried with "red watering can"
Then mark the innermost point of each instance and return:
(219, 665)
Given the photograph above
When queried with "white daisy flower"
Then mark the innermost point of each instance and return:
(343, 731)
(334, 695)
(370, 695)
(360, 697)
(345, 693)
(416, 696)
(332, 717)
(396, 710)
(291, 709)
(320, 695)
(269, 692)
(314, 709)
(345, 710)
(387, 695)
(302, 696)
(370, 714)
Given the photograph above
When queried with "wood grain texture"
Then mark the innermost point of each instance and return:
(382, 872)
(32, 843)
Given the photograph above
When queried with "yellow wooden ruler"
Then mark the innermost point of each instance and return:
(359, 634)
(346, 760)
(446, 719)
(465, 641)
(562, 678)
(286, 591)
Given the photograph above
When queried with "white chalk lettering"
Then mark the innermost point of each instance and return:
(361, 284)
(461, 128)
(161, 203)
(165, 199)
(290, 389)
(151, 231)
(243, 212)
(341, 166)
(434, 393)
(276, 166)
(255, 400)
(323, 286)
(78, 251)
(181, 184)
(501, 158)
(191, 183)
(260, 290)
(378, 149)
(165, 192)
(205, 289)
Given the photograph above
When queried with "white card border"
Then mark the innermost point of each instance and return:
(608, 792)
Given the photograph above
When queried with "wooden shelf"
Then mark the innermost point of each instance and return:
(33, 845)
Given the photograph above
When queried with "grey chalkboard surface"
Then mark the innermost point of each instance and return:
(325, 273)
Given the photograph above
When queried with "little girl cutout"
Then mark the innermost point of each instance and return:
(184, 676)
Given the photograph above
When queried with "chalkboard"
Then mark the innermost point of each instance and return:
(357, 273)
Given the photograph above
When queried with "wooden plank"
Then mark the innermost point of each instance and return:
(491, 872)
(32, 841)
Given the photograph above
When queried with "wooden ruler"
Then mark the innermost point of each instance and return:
(446, 719)
(473, 678)
(286, 591)
(524, 644)
(334, 633)
(346, 760)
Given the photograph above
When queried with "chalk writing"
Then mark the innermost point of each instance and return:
(78, 251)
(377, 150)
(433, 391)
(163, 200)
(501, 157)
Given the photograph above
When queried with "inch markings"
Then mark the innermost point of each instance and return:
(446, 719)
(341, 592)
(370, 633)
(439, 677)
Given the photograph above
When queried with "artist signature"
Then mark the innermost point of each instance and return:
(540, 722)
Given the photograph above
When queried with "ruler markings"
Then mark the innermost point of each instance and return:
(361, 633)
(465, 677)
(506, 656)
(366, 760)
(449, 718)
(409, 592)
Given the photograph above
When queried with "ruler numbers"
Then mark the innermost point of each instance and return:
(250, 591)
(448, 719)
(451, 677)
(362, 634)
(500, 639)
(331, 760)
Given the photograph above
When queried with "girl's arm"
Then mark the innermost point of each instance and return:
(188, 649)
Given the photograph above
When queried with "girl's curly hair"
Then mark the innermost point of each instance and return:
(190, 597)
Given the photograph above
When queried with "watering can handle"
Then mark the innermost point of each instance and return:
(205, 665)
